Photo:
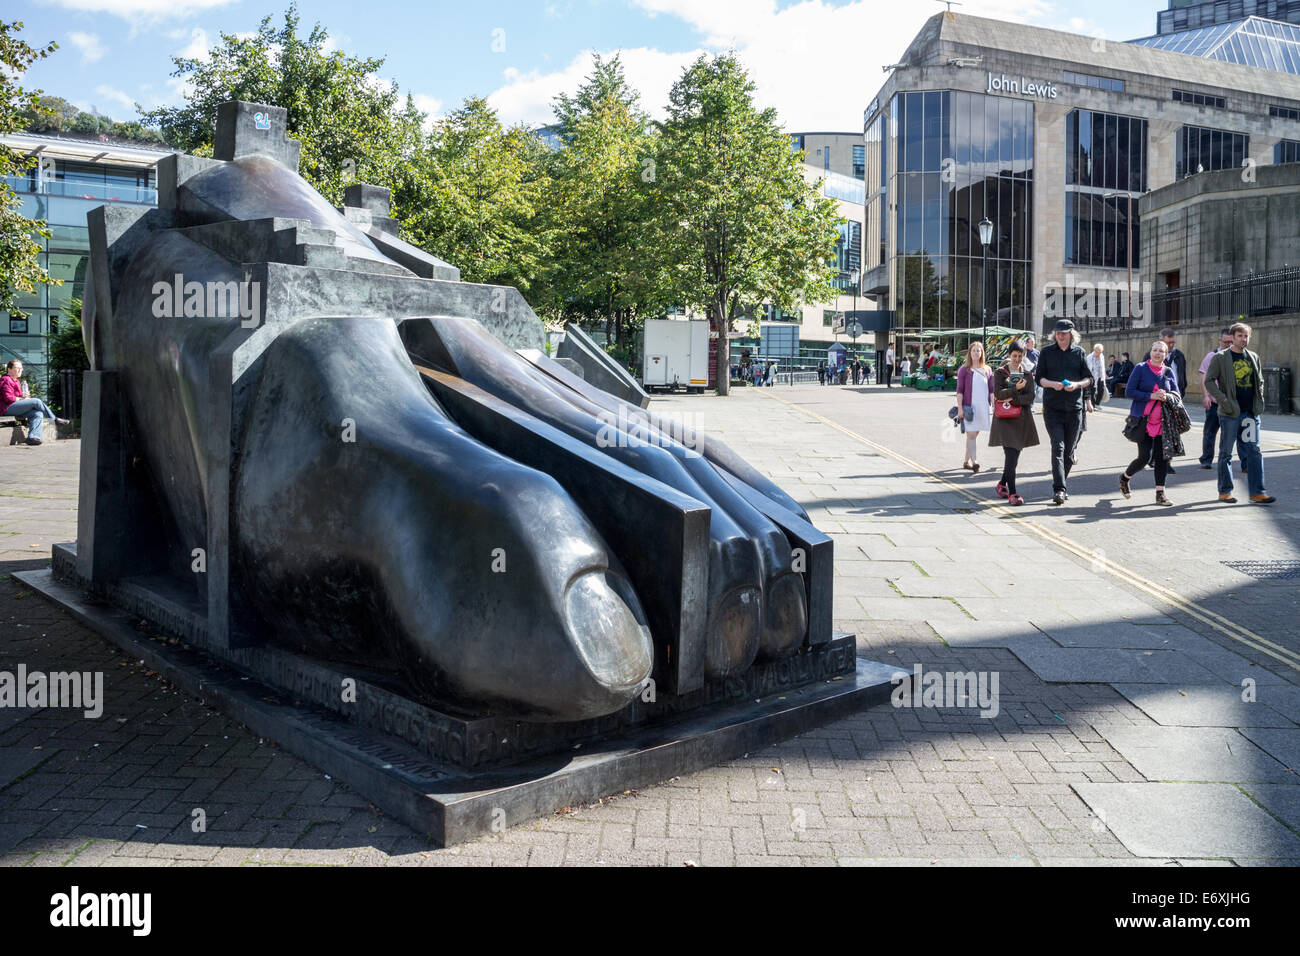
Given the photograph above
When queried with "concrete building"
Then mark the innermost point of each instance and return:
(841, 153)
(1053, 137)
(68, 178)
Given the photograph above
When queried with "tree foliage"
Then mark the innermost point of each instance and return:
(55, 115)
(474, 198)
(348, 121)
(603, 182)
(736, 222)
(20, 268)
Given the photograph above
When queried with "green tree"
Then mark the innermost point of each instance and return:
(474, 198)
(51, 114)
(735, 220)
(349, 124)
(602, 191)
(67, 352)
(20, 268)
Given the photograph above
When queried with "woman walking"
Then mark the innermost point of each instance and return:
(975, 386)
(1013, 422)
(1149, 386)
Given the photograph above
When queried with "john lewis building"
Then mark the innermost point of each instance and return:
(1050, 135)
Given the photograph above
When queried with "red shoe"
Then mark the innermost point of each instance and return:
(1002, 489)
(1015, 500)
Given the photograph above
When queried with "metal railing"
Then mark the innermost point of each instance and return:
(1226, 300)
(111, 192)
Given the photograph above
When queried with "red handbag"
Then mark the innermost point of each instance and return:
(1006, 409)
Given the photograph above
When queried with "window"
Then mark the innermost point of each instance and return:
(1096, 82)
(828, 317)
(1105, 166)
(860, 162)
(1284, 112)
(1198, 99)
(826, 159)
(1286, 151)
(1199, 149)
(959, 157)
(17, 325)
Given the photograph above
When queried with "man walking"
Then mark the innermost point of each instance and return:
(1175, 359)
(1210, 431)
(1062, 372)
(889, 365)
(1125, 373)
(1234, 380)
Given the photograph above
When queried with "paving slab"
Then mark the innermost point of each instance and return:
(988, 633)
(1188, 820)
(15, 762)
(1283, 745)
(1280, 799)
(1122, 635)
(1202, 754)
(1104, 665)
(1215, 705)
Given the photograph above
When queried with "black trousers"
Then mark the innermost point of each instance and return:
(889, 374)
(1010, 461)
(1150, 451)
(1063, 427)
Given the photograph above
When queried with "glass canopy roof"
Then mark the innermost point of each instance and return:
(1254, 41)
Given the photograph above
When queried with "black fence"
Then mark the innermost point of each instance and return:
(1228, 300)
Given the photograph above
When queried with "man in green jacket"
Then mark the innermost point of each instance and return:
(1234, 380)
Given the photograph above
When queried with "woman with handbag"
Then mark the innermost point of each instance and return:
(1013, 421)
(975, 386)
(1148, 387)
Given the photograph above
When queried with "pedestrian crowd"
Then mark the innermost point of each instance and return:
(1069, 383)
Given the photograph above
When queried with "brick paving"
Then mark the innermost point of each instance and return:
(925, 786)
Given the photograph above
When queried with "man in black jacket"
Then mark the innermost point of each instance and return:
(1176, 359)
(1063, 373)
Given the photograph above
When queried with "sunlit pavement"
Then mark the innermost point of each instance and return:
(1146, 693)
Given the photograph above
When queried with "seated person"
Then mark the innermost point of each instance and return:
(32, 412)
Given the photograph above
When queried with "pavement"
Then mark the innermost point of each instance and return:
(1138, 675)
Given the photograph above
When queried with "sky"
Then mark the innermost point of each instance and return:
(817, 62)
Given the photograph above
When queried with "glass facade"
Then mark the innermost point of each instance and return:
(951, 159)
(1259, 41)
(875, 196)
(860, 162)
(1199, 149)
(62, 198)
(1105, 167)
(848, 255)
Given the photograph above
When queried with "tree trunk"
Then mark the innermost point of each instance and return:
(724, 353)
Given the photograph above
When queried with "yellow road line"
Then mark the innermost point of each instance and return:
(1229, 628)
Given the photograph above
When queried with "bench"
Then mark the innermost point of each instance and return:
(19, 434)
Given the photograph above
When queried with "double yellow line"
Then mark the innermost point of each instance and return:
(1219, 623)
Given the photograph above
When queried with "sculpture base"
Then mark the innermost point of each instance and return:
(451, 803)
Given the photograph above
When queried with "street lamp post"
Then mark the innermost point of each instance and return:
(855, 277)
(986, 236)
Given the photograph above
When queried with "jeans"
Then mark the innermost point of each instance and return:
(34, 411)
(1063, 428)
(1210, 434)
(1243, 431)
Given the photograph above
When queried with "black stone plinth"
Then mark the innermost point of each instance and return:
(451, 803)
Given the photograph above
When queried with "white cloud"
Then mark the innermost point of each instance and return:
(89, 45)
(138, 11)
(197, 48)
(528, 97)
(431, 106)
(118, 98)
(818, 64)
